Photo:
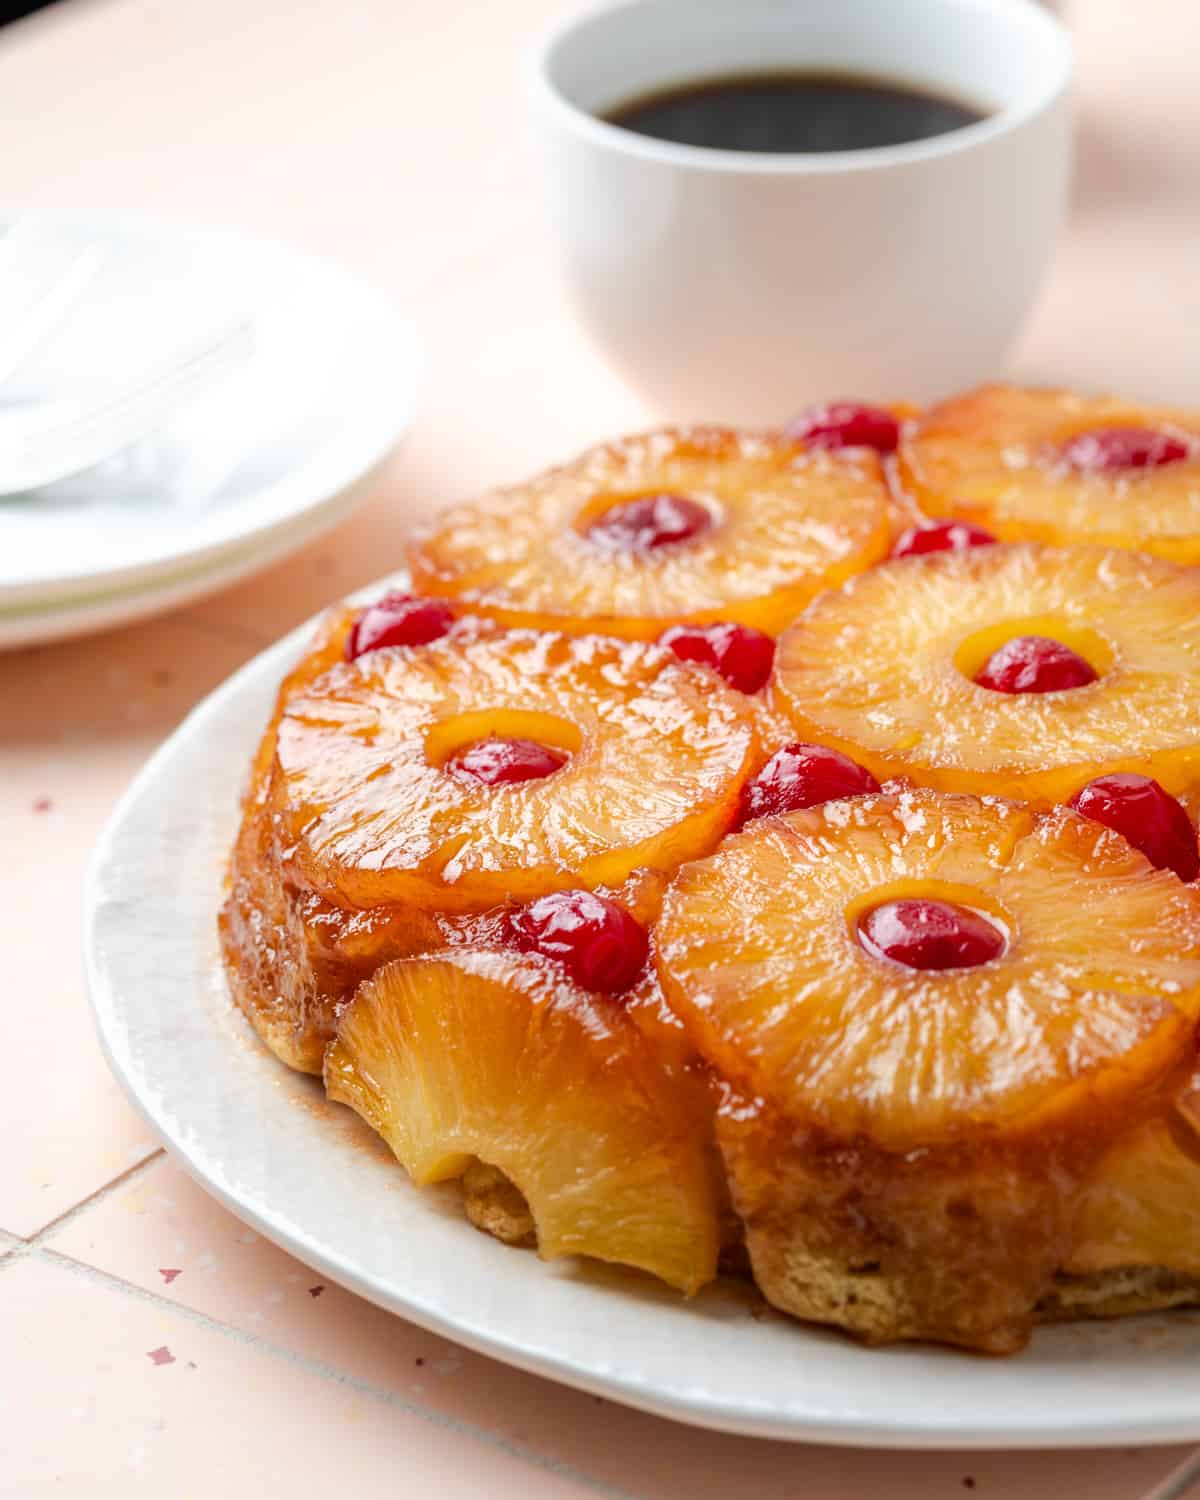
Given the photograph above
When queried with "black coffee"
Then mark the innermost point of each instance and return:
(806, 112)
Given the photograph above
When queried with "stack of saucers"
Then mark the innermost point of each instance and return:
(179, 406)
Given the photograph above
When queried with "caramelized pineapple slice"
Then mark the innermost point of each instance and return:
(692, 524)
(482, 1053)
(655, 755)
(884, 670)
(292, 955)
(759, 954)
(904, 1144)
(1036, 465)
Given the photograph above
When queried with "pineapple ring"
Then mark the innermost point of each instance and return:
(788, 523)
(490, 1054)
(660, 752)
(291, 956)
(1071, 1023)
(882, 669)
(992, 457)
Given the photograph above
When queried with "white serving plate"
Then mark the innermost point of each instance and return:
(239, 475)
(309, 1176)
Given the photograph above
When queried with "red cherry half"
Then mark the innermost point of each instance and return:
(503, 762)
(943, 536)
(1034, 664)
(652, 521)
(803, 775)
(926, 935)
(743, 656)
(846, 424)
(598, 943)
(1108, 450)
(398, 620)
(1146, 816)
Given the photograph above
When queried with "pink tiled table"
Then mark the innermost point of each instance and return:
(151, 1345)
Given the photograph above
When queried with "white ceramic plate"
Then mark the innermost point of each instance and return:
(107, 608)
(254, 465)
(309, 1176)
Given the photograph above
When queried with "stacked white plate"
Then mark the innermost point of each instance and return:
(248, 468)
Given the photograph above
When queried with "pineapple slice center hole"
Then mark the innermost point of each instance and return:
(972, 654)
(941, 924)
(449, 740)
(643, 522)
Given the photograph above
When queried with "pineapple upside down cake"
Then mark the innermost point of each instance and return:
(774, 852)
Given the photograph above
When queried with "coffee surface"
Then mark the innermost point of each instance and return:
(794, 112)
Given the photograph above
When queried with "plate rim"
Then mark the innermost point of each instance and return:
(747, 1418)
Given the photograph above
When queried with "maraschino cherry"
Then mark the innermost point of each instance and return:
(923, 934)
(1035, 664)
(743, 656)
(1109, 450)
(499, 762)
(802, 775)
(941, 536)
(598, 943)
(846, 424)
(649, 522)
(398, 620)
(1147, 816)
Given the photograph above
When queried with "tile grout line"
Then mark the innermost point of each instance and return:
(1179, 1482)
(431, 1415)
(20, 1248)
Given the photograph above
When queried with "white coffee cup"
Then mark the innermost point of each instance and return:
(740, 285)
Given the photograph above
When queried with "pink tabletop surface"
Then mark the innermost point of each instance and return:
(152, 1345)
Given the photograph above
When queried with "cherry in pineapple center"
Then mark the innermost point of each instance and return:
(923, 934)
(505, 762)
(648, 522)
(1037, 654)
